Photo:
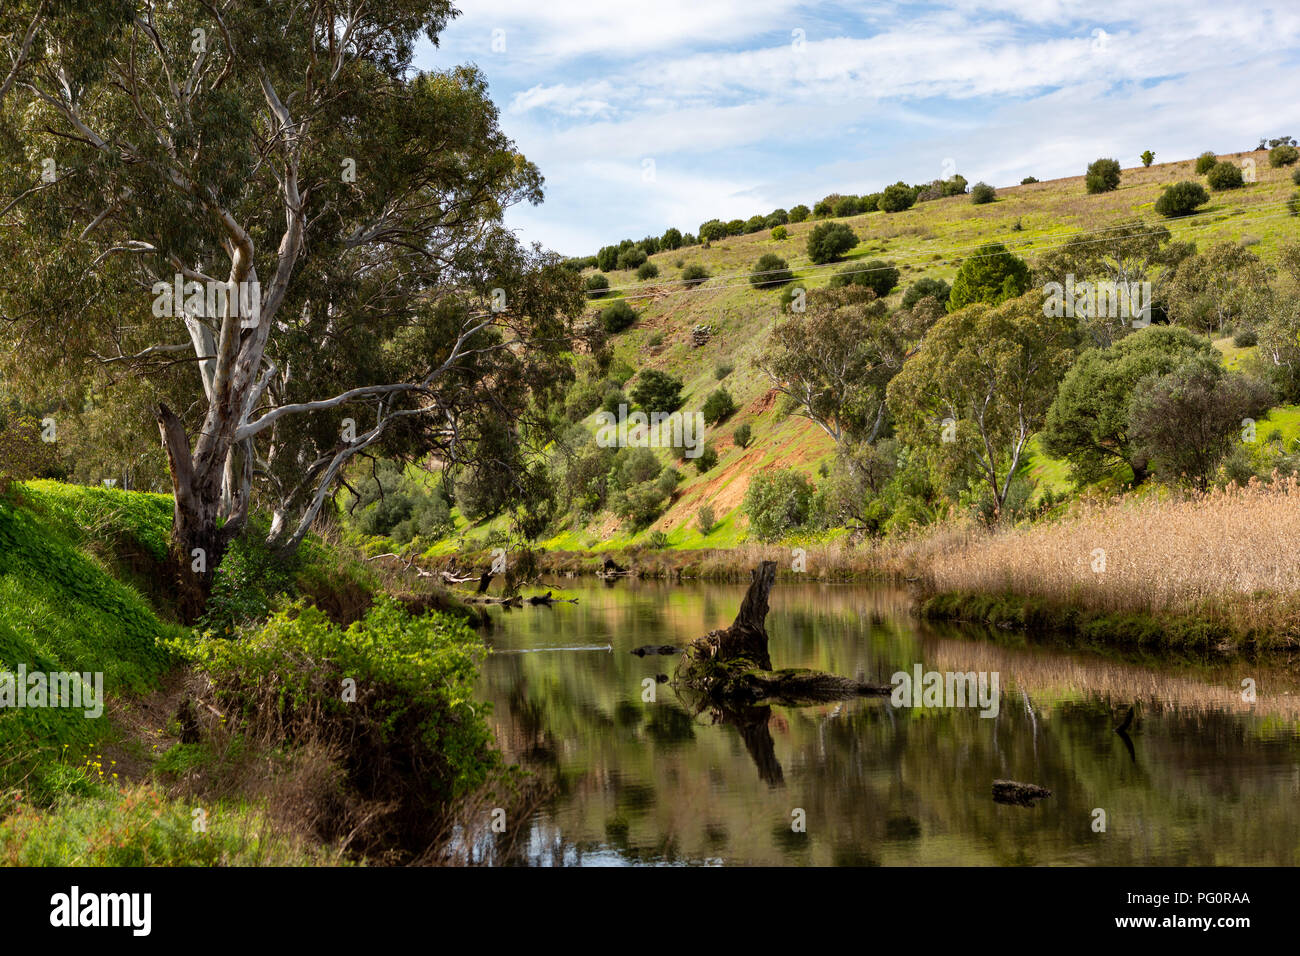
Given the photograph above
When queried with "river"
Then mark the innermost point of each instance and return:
(1211, 777)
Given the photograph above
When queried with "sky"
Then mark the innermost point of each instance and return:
(667, 113)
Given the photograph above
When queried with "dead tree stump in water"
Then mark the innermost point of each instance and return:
(747, 636)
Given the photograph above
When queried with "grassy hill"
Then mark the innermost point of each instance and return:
(929, 240)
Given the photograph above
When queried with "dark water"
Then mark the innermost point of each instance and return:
(1211, 778)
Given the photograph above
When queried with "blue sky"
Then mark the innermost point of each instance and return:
(670, 112)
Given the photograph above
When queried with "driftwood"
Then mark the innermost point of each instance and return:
(612, 569)
(547, 600)
(733, 665)
(1020, 794)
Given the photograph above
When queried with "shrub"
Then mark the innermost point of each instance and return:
(871, 202)
(1223, 176)
(742, 436)
(655, 340)
(780, 232)
(777, 502)
(921, 288)
(829, 241)
(705, 520)
(770, 270)
(1205, 162)
(982, 193)
(713, 230)
(1295, 177)
(755, 224)
(897, 197)
(718, 406)
(823, 209)
(1102, 176)
(778, 217)
(707, 458)
(671, 239)
(657, 391)
(631, 258)
(991, 275)
(1283, 155)
(613, 399)
(722, 370)
(1245, 338)
(617, 316)
(648, 270)
(799, 213)
(607, 258)
(1028, 180)
(736, 227)
(1181, 199)
(597, 285)
(847, 206)
(694, 275)
(1293, 205)
(1148, 157)
(880, 277)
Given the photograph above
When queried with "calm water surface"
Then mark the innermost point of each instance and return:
(1211, 779)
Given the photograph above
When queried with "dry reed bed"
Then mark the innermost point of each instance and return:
(1232, 552)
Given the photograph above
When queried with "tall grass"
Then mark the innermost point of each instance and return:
(1230, 557)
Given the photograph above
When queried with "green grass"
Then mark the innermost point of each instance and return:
(61, 610)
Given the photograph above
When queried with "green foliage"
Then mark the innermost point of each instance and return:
(607, 258)
(613, 399)
(694, 275)
(672, 239)
(1028, 180)
(1245, 338)
(1223, 176)
(647, 270)
(597, 285)
(707, 458)
(415, 680)
(250, 581)
(631, 258)
(770, 270)
(1283, 155)
(880, 277)
(718, 406)
(982, 193)
(799, 213)
(992, 274)
(742, 435)
(1185, 422)
(897, 197)
(847, 206)
(1103, 176)
(918, 290)
(780, 233)
(828, 242)
(777, 503)
(1148, 157)
(617, 316)
(713, 230)
(388, 502)
(1088, 424)
(1205, 162)
(1295, 177)
(1181, 199)
(755, 224)
(722, 370)
(139, 826)
(705, 520)
(657, 391)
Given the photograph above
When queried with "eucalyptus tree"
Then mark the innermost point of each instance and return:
(271, 201)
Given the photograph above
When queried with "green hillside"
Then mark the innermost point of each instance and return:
(928, 240)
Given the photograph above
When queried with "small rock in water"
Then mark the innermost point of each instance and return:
(1022, 794)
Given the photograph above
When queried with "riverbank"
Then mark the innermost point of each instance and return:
(1219, 570)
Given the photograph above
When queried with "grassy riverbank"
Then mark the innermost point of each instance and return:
(291, 744)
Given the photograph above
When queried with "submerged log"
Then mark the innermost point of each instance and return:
(654, 649)
(1021, 794)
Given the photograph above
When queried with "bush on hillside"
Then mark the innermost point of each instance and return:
(897, 197)
(718, 406)
(982, 193)
(597, 285)
(777, 503)
(657, 391)
(1223, 176)
(617, 316)
(880, 277)
(829, 241)
(770, 270)
(694, 275)
(1205, 162)
(648, 270)
(1181, 199)
(1283, 155)
(1102, 176)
